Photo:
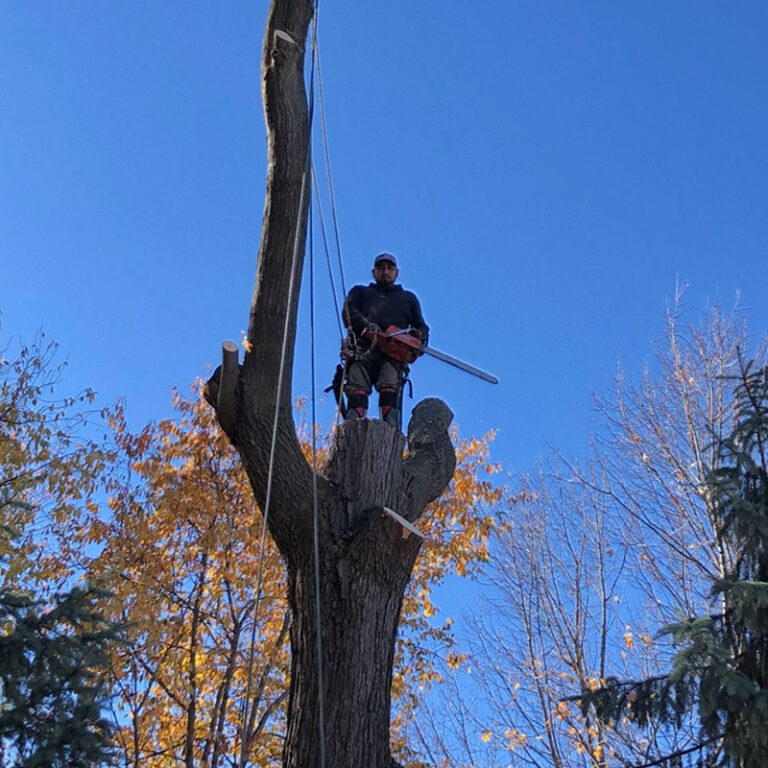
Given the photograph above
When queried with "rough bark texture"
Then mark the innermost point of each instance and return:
(366, 560)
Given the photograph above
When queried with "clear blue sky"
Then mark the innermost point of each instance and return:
(546, 172)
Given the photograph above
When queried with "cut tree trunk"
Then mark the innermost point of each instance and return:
(366, 562)
(366, 557)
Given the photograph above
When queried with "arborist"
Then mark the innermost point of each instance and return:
(369, 310)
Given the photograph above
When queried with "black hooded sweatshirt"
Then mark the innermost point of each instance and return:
(383, 305)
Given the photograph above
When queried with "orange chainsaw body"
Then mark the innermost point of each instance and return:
(398, 344)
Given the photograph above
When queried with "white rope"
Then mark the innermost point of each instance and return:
(273, 445)
(270, 473)
(315, 506)
(308, 173)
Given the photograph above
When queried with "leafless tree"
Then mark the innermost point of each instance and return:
(595, 557)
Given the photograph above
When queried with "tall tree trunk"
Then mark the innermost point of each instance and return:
(366, 559)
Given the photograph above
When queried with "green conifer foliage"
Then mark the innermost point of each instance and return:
(720, 670)
(51, 690)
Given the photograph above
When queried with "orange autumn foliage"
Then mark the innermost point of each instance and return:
(179, 549)
(49, 466)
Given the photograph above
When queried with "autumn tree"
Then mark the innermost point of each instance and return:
(49, 465)
(659, 443)
(179, 549)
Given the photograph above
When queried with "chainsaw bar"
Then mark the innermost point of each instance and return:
(398, 344)
(460, 364)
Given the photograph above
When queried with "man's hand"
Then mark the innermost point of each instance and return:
(371, 331)
(419, 334)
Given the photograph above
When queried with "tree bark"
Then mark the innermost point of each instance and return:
(365, 560)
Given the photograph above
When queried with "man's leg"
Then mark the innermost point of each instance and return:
(387, 383)
(357, 389)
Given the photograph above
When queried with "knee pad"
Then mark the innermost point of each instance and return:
(388, 406)
(387, 398)
(357, 401)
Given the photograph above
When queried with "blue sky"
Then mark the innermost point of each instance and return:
(546, 172)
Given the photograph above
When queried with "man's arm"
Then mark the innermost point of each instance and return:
(354, 320)
(417, 321)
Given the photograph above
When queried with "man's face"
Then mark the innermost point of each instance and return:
(385, 273)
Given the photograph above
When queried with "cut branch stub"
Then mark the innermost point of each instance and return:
(220, 391)
(226, 402)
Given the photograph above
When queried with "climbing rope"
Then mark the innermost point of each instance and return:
(308, 174)
(270, 471)
(336, 303)
(334, 218)
(321, 220)
(273, 447)
(329, 175)
(315, 505)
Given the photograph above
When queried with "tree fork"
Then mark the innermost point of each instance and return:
(365, 561)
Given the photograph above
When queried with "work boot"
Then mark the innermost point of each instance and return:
(388, 406)
(392, 416)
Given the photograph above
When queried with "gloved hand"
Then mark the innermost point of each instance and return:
(370, 332)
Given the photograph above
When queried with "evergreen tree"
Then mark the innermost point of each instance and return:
(51, 690)
(720, 669)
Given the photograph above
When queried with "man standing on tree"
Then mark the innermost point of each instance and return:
(369, 310)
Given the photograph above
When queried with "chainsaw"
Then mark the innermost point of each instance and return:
(401, 345)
